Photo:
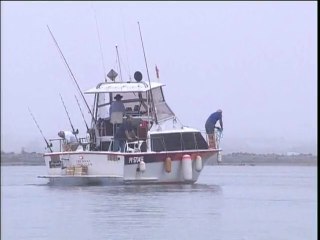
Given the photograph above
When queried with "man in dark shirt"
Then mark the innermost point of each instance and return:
(211, 125)
(212, 120)
(124, 132)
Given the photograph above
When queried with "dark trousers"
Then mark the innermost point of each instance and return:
(119, 144)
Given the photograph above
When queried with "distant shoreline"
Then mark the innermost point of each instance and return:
(241, 159)
(22, 159)
(234, 159)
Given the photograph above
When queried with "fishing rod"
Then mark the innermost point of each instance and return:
(82, 114)
(145, 60)
(48, 145)
(73, 131)
(73, 77)
(101, 52)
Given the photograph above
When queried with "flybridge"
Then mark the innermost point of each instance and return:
(123, 87)
(139, 98)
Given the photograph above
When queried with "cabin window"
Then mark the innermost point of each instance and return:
(200, 141)
(157, 144)
(188, 141)
(178, 141)
(135, 103)
(172, 141)
(103, 105)
(157, 95)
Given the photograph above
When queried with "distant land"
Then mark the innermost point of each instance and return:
(240, 158)
(25, 158)
(272, 159)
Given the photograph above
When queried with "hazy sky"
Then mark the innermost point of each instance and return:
(255, 60)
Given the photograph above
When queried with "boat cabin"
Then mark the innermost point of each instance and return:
(150, 113)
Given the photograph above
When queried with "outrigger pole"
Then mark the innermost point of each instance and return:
(73, 131)
(48, 145)
(145, 60)
(73, 77)
(82, 113)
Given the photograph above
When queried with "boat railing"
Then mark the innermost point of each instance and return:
(137, 145)
(218, 135)
(106, 128)
(82, 141)
(60, 140)
(213, 140)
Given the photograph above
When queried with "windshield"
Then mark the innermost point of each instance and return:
(135, 103)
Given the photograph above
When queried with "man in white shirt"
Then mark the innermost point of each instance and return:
(70, 142)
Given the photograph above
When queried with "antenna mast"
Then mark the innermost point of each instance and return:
(125, 41)
(145, 60)
(119, 63)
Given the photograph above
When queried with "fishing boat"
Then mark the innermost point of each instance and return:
(165, 150)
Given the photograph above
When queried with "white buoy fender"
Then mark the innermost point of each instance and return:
(198, 163)
(187, 167)
(167, 164)
(142, 166)
(219, 157)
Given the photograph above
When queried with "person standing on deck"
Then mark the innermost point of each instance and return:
(70, 142)
(116, 111)
(211, 125)
(124, 133)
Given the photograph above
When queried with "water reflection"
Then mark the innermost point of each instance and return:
(239, 205)
(139, 189)
(126, 211)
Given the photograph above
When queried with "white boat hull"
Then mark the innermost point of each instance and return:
(88, 167)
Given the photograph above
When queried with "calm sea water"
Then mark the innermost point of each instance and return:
(227, 202)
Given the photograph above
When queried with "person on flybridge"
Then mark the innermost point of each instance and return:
(117, 106)
(211, 126)
(116, 111)
(70, 142)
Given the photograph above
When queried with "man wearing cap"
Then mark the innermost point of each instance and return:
(211, 125)
(117, 106)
